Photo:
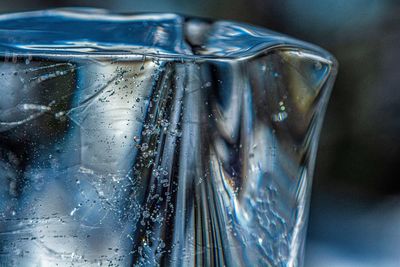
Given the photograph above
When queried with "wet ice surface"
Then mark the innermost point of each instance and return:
(155, 139)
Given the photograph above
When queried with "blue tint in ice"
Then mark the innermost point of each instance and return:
(155, 139)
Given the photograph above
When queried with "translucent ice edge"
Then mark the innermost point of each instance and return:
(83, 32)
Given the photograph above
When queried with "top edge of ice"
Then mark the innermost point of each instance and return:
(87, 31)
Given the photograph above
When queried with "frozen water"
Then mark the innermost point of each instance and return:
(155, 139)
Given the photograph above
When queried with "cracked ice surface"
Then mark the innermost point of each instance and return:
(155, 139)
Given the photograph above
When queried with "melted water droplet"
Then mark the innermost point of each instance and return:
(280, 116)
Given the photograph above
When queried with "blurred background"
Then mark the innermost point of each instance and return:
(355, 207)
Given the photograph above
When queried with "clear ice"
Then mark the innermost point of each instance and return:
(155, 140)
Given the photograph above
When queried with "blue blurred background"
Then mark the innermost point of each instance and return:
(355, 208)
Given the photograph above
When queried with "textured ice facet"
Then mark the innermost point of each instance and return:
(155, 139)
